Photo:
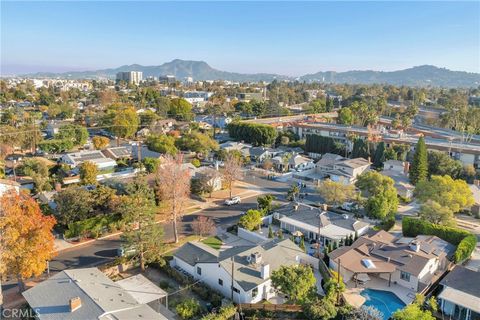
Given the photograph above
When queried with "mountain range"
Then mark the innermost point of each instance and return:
(425, 75)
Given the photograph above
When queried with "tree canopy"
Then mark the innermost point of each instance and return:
(251, 220)
(297, 282)
(419, 168)
(382, 201)
(452, 194)
(27, 242)
(335, 193)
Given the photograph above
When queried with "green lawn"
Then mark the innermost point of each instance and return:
(213, 242)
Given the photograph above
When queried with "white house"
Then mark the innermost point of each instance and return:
(243, 272)
(460, 295)
(315, 223)
(398, 171)
(97, 157)
(413, 263)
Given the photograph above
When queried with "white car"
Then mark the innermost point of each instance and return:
(234, 200)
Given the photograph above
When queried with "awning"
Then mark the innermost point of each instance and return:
(461, 298)
(141, 289)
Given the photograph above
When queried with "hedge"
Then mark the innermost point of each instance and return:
(319, 144)
(92, 227)
(255, 133)
(225, 313)
(464, 240)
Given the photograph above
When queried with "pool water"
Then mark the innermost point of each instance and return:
(384, 301)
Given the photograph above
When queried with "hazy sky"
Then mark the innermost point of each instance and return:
(290, 38)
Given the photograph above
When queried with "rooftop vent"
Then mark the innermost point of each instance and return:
(345, 216)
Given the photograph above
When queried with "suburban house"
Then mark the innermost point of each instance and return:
(260, 154)
(241, 272)
(413, 263)
(398, 171)
(47, 197)
(144, 152)
(347, 171)
(75, 159)
(336, 168)
(460, 295)
(115, 153)
(215, 182)
(8, 185)
(243, 148)
(300, 163)
(76, 294)
(315, 223)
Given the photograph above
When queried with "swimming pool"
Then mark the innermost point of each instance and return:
(386, 302)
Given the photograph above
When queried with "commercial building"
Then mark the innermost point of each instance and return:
(130, 77)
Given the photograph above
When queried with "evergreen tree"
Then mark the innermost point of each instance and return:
(419, 169)
(379, 157)
(270, 232)
(302, 244)
(280, 234)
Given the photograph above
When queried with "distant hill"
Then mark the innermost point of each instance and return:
(417, 76)
(199, 70)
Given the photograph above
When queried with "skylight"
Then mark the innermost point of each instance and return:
(368, 264)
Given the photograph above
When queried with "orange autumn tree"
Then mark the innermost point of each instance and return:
(26, 239)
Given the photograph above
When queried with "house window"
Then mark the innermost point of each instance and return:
(254, 292)
(405, 276)
(199, 270)
(220, 282)
(236, 290)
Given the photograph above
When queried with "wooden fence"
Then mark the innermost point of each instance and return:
(270, 307)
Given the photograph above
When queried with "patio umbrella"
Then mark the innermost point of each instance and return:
(363, 277)
(297, 234)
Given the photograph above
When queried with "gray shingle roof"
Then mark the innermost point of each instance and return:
(99, 296)
(463, 279)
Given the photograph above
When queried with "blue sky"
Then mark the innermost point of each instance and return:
(290, 38)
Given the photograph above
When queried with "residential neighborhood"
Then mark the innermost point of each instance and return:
(182, 191)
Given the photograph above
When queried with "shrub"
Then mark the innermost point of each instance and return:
(225, 313)
(188, 308)
(464, 240)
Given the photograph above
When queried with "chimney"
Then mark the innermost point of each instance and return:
(415, 246)
(75, 303)
(256, 258)
(295, 207)
(406, 167)
(265, 271)
(325, 207)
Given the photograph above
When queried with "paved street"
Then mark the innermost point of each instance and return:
(103, 251)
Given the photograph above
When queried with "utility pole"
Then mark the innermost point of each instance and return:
(338, 282)
(139, 151)
(233, 270)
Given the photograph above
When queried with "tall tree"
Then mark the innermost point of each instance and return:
(419, 169)
(143, 235)
(433, 212)
(381, 200)
(26, 239)
(335, 193)
(297, 282)
(379, 157)
(449, 193)
(232, 171)
(173, 186)
(203, 226)
(88, 173)
(251, 220)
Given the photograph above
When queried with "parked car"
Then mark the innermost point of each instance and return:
(349, 206)
(232, 201)
(125, 251)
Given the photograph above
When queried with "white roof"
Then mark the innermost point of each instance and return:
(141, 289)
(461, 298)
